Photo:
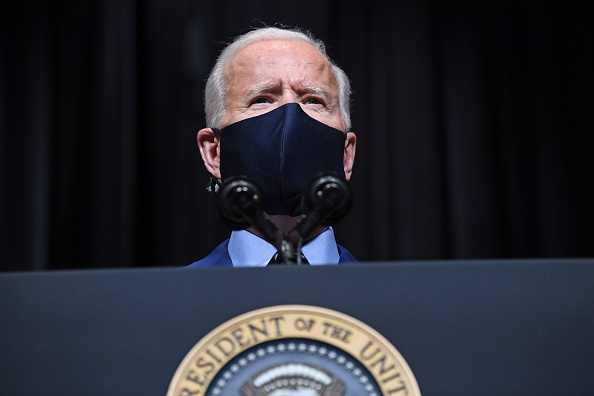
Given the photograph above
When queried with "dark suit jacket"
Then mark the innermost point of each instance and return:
(220, 257)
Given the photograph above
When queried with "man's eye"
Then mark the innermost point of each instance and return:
(313, 101)
(260, 100)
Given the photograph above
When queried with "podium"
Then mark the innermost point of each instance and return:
(514, 327)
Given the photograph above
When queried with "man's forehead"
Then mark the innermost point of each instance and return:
(279, 52)
(279, 45)
(264, 62)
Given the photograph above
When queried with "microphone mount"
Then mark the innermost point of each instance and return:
(327, 199)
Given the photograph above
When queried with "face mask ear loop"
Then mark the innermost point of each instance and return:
(213, 184)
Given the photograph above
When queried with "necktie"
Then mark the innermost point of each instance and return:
(277, 259)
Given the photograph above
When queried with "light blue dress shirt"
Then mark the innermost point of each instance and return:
(249, 250)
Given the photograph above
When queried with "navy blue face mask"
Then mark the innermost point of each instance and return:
(282, 151)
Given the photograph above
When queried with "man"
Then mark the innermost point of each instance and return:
(279, 113)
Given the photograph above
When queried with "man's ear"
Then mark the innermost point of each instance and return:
(350, 146)
(209, 146)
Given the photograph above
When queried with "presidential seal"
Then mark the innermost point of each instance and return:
(293, 350)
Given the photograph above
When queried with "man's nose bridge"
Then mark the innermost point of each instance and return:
(288, 96)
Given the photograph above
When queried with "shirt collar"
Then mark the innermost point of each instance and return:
(249, 250)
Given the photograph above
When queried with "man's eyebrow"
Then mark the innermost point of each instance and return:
(259, 89)
(317, 89)
(320, 90)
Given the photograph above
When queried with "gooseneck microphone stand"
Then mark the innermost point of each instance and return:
(327, 199)
(239, 205)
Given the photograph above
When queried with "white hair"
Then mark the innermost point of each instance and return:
(214, 93)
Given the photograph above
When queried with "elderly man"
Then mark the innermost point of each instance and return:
(278, 108)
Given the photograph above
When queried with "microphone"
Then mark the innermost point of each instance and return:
(327, 200)
(239, 205)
